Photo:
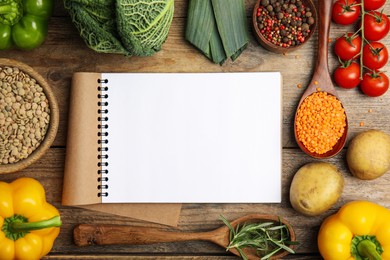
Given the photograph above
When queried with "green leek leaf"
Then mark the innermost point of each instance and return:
(217, 28)
(216, 48)
(207, 40)
(232, 25)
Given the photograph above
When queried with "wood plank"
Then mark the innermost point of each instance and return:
(178, 55)
(134, 257)
(163, 257)
(180, 8)
(64, 53)
(201, 217)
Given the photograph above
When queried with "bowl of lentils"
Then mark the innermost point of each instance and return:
(29, 116)
(282, 26)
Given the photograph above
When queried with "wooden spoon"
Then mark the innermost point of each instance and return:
(85, 234)
(321, 78)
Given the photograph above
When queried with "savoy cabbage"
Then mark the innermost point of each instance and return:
(129, 27)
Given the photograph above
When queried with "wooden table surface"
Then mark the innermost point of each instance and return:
(64, 53)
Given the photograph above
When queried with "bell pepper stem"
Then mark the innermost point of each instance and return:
(5, 9)
(17, 226)
(367, 249)
(11, 12)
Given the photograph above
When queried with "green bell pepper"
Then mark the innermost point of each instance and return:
(24, 23)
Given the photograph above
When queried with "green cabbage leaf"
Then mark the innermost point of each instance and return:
(129, 27)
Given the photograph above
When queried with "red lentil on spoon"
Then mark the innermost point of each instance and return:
(321, 122)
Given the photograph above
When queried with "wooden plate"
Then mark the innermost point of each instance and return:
(53, 123)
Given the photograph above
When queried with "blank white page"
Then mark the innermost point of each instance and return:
(194, 138)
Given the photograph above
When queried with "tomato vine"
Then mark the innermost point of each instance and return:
(362, 44)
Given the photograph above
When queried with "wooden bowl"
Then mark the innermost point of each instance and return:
(53, 123)
(253, 218)
(279, 49)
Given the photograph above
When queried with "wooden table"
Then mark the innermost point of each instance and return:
(64, 53)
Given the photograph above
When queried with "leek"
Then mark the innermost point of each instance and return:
(218, 28)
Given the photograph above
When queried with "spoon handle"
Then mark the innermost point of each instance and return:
(321, 76)
(85, 235)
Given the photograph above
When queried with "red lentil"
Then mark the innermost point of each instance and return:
(320, 122)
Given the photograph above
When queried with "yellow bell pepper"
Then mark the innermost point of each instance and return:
(29, 225)
(359, 230)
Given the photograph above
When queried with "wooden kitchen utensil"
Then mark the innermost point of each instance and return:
(321, 78)
(86, 234)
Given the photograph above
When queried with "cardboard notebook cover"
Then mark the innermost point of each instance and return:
(81, 164)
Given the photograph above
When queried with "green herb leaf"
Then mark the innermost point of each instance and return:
(268, 238)
(270, 254)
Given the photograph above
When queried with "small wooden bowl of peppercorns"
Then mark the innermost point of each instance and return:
(282, 26)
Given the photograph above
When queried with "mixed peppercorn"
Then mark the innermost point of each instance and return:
(285, 23)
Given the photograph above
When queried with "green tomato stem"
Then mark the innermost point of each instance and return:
(363, 39)
(367, 250)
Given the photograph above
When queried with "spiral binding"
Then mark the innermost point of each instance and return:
(103, 138)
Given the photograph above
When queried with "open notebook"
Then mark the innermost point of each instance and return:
(174, 138)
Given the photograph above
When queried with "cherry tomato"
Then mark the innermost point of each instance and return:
(345, 11)
(348, 47)
(347, 76)
(376, 25)
(374, 84)
(373, 4)
(375, 55)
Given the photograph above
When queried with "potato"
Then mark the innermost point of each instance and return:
(315, 188)
(368, 154)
